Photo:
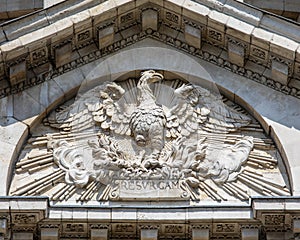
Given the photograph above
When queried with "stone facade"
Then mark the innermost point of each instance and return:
(50, 57)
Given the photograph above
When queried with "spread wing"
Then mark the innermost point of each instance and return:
(102, 108)
(198, 109)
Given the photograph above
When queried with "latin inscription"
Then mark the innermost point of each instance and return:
(151, 189)
(137, 185)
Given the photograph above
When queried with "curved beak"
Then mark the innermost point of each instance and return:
(156, 77)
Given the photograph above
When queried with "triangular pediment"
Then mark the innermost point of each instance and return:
(97, 39)
(94, 144)
(54, 40)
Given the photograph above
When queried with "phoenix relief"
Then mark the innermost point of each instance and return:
(150, 130)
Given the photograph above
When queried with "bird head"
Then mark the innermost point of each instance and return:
(150, 76)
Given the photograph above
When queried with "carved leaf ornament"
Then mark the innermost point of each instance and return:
(149, 139)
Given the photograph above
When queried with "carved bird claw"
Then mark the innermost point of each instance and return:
(152, 162)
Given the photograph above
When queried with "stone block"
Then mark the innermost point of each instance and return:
(3, 226)
(283, 47)
(296, 226)
(291, 5)
(25, 25)
(103, 12)
(142, 2)
(149, 19)
(259, 54)
(276, 4)
(124, 6)
(297, 70)
(106, 36)
(22, 236)
(261, 38)
(280, 72)
(172, 18)
(174, 5)
(294, 83)
(63, 54)
(215, 36)
(64, 30)
(127, 18)
(16, 5)
(81, 21)
(279, 235)
(281, 27)
(200, 234)
(195, 11)
(250, 234)
(2, 35)
(49, 234)
(192, 36)
(149, 234)
(239, 29)
(38, 3)
(99, 234)
(217, 20)
(13, 49)
(243, 12)
(236, 54)
(17, 73)
(6, 106)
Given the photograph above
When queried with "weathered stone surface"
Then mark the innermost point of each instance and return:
(200, 234)
(280, 27)
(99, 234)
(106, 36)
(296, 226)
(250, 234)
(261, 38)
(217, 20)
(6, 107)
(243, 12)
(149, 19)
(17, 73)
(63, 55)
(278, 236)
(239, 29)
(236, 54)
(123, 6)
(280, 72)
(193, 36)
(3, 226)
(25, 25)
(149, 234)
(49, 234)
(23, 236)
(7, 153)
(195, 11)
(283, 47)
(103, 12)
(26, 106)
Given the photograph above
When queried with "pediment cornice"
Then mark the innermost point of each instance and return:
(230, 34)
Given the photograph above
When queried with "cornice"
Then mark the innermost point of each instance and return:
(263, 216)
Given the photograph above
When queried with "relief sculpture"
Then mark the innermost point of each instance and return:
(154, 138)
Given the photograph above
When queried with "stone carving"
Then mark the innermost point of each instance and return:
(211, 33)
(164, 138)
(157, 134)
